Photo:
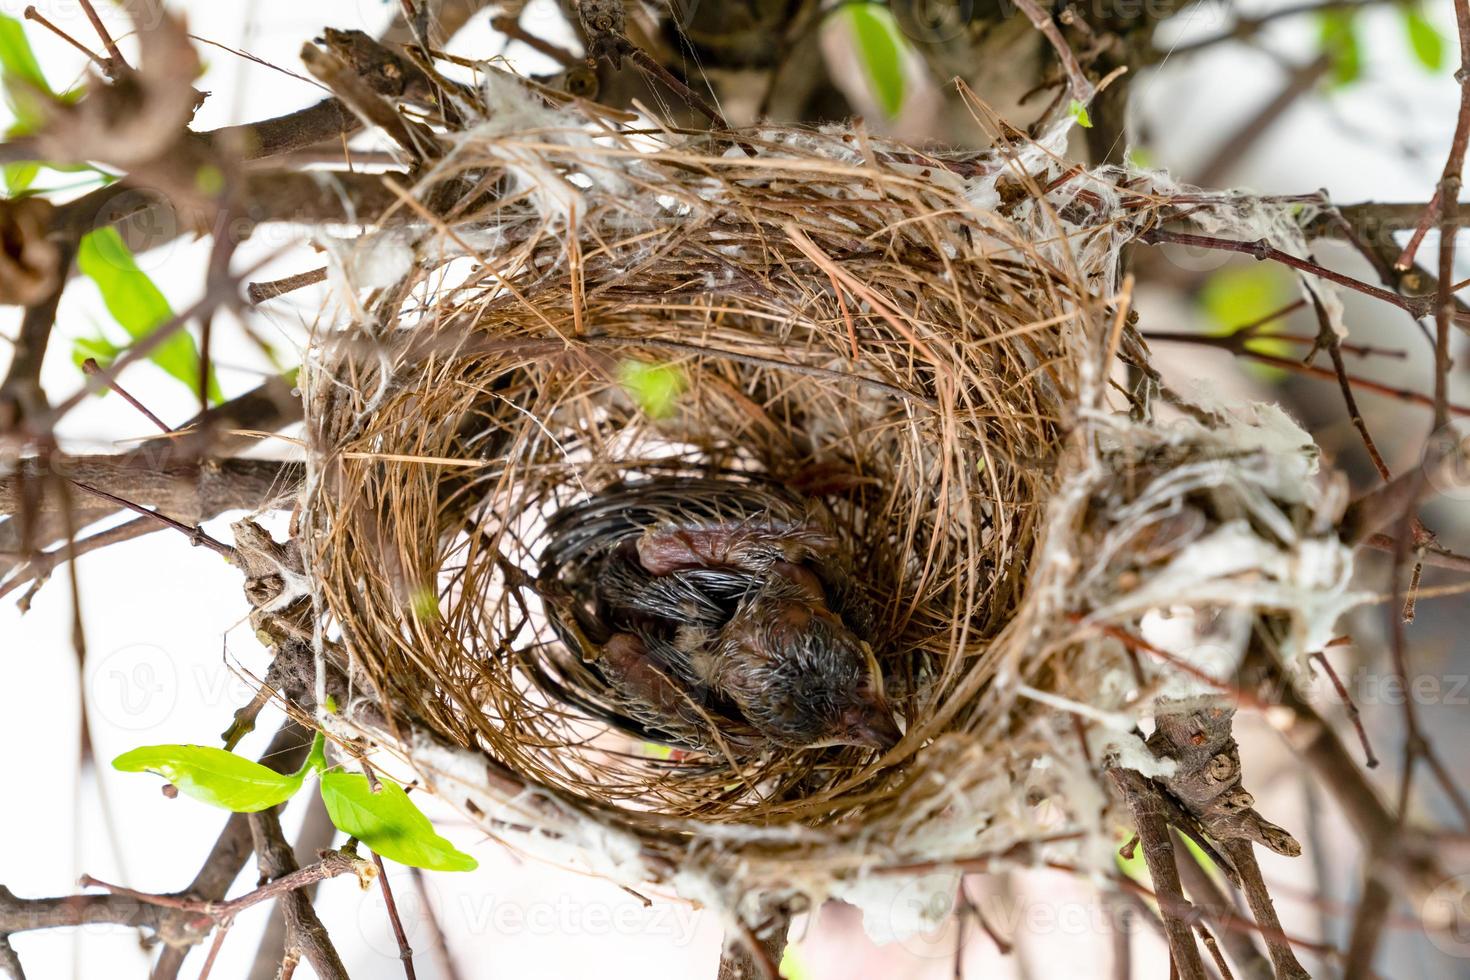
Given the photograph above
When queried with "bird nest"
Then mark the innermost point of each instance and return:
(932, 351)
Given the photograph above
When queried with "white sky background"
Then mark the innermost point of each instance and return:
(165, 623)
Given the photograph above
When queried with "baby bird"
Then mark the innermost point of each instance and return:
(713, 610)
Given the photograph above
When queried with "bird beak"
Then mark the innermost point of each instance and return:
(875, 729)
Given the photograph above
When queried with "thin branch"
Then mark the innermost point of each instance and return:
(405, 952)
(1263, 250)
(304, 933)
(1158, 853)
(1212, 901)
(1242, 854)
(90, 366)
(1082, 90)
(331, 864)
(194, 532)
(1355, 716)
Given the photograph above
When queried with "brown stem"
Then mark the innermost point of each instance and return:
(1212, 901)
(1151, 824)
(1355, 716)
(305, 934)
(1242, 854)
(405, 952)
(194, 532)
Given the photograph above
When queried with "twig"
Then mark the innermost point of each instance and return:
(1209, 899)
(90, 366)
(1299, 82)
(304, 933)
(1263, 250)
(259, 292)
(750, 956)
(119, 63)
(436, 933)
(219, 940)
(1246, 28)
(1242, 854)
(32, 14)
(1370, 760)
(1232, 343)
(331, 864)
(1405, 261)
(405, 952)
(1158, 854)
(194, 532)
(40, 567)
(1082, 89)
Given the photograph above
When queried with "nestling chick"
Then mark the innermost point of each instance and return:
(713, 610)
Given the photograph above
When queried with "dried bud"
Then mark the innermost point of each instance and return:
(605, 22)
(29, 261)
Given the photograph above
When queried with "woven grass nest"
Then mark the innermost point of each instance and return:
(935, 350)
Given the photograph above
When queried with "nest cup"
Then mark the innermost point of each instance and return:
(916, 342)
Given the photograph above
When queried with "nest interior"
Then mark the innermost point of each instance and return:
(825, 320)
(920, 343)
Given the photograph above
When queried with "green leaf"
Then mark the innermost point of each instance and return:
(1241, 294)
(17, 60)
(1338, 38)
(20, 175)
(99, 348)
(214, 776)
(655, 387)
(21, 73)
(317, 758)
(879, 44)
(1425, 40)
(139, 306)
(1078, 112)
(388, 822)
(1245, 294)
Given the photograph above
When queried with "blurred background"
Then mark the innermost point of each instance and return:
(1355, 98)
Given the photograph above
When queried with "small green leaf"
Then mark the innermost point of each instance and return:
(879, 43)
(317, 758)
(1078, 112)
(1338, 38)
(25, 84)
(99, 348)
(655, 387)
(1141, 157)
(20, 175)
(1425, 40)
(214, 776)
(425, 604)
(209, 180)
(138, 305)
(388, 822)
(1240, 295)
(17, 59)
